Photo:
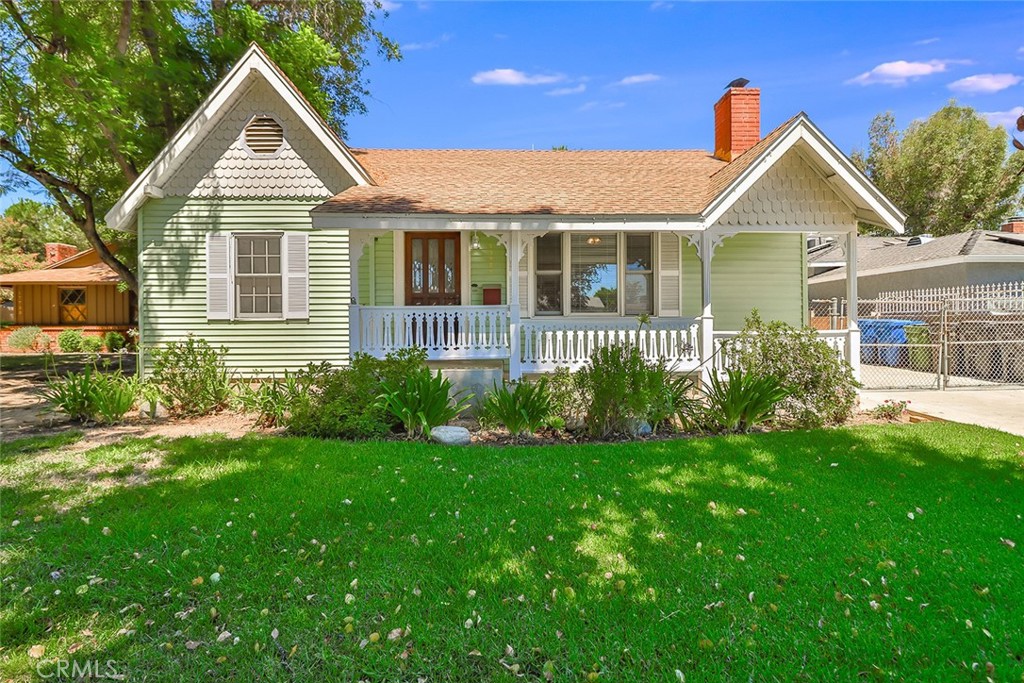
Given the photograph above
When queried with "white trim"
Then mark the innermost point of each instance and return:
(254, 63)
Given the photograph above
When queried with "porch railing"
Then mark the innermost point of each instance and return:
(444, 332)
(552, 344)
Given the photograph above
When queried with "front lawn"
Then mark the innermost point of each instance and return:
(850, 554)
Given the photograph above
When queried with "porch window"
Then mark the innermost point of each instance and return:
(258, 276)
(549, 274)
(639, 274)
(72, 306)
(594, 282)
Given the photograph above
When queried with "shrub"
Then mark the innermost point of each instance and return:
(25, 338)
(422, 401)
(744, 401)
(568, 399)
(343, 403)
(114, 341)
(92, 344)
(819, 384)
(192, 377)
(889, 410)
(522, 409)
(70, 341)
(92, 395)
(622, 390)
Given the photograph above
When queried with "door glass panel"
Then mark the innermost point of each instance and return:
(449, 266)
(594, 277)
(432, 266)
(417, 265)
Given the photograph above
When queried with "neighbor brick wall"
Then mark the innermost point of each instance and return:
(1016, 227)
(737, 122)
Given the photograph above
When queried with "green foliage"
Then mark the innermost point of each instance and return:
(568, 400)
(27, 225)
(819, 384)
(524, 408)
(150, 395)
(25, 338)
(621, 389)
(92, 344)
(342, 403)
(949, 172)
(192, 376)
(92, 395)
(889, 410)
(70, 341)
(744, 401)
(422, 401)
(114, 341)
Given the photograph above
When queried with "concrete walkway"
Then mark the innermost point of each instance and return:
(996, 408)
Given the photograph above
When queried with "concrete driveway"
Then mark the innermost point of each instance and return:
(996, 408)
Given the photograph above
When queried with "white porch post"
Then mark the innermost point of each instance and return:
(514, 250)
(853, 340)
(707, 320)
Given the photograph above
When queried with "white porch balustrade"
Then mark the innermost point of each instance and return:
(444, 332)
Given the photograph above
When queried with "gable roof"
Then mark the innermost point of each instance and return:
(876, 255)
(66, 272)
(254, 63)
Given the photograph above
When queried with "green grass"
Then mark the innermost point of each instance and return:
(604, 559)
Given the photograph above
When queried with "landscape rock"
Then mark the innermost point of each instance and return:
(451, 436)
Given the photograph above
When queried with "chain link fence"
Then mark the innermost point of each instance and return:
(937, 339)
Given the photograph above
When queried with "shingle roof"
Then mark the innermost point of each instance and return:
(99, 273)
(508, 182)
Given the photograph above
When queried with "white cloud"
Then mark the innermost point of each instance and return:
(661, 6)
(1007, 119)
(514, 77)
(926, 41)
(389, 5)
(985, 83)
(574, 90)
(901, 72)
(601, 104)
(638, 79)
(429, 45)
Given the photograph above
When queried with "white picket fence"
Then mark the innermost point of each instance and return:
(1004, 297)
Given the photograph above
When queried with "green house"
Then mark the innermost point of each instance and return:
(260, 230)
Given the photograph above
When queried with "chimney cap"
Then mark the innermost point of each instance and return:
(738, 83)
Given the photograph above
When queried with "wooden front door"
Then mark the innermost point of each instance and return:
(432, 269)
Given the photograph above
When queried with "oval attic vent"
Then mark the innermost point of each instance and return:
(264, 135)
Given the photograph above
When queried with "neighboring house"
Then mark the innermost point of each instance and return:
(259, 230)
(73, 290)
(896, 263)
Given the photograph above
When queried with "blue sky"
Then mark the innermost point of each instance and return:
(645, 75)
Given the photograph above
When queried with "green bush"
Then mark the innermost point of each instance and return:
(70, 341)
(192, 377)
(819, 384)
(343, 403)
(524, 408)
(26, 338)
(568, 399)
(422, 401)
(622, 390)
(92, 395)
(92, 344)
(744, 401)
(114, 341)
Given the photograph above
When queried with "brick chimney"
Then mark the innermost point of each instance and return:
(56, 251)
(737, 122)
(1014, 225)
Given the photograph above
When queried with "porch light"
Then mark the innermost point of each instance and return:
(474, 243)
(593, 241)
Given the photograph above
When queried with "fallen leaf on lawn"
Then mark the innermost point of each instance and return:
(475, 653)
(198, 581)
(374, 637)
(349, 598)
(192, 644)
(224, 635)
(469, 623)
(1008, 543)
(83, 589)
(36, 651)
(74, 647)
(741, 512)
(107, 531)
(394, 634)
(274, 634)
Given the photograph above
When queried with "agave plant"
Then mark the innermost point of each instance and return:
(742, 402)
(522, 409)
(422, 401)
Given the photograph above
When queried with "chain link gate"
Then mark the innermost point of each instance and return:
(937, 339)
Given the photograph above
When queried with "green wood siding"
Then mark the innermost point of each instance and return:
(758, 270)
(382, 292)
(691, 281)
(172, 262)
(486, 267)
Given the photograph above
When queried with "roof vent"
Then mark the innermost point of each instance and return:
(264, 135)
(918, 240)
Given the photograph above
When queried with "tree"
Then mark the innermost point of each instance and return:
(91, 91)
(29, 225)
(949, 173)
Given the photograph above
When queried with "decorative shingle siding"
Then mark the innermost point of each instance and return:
(172, 260)
(791, 193)
(221, 166)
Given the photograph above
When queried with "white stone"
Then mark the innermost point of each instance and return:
(451, 436)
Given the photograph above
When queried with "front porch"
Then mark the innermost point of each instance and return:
(518, 303)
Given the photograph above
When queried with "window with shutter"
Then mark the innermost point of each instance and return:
(218, 276)
(261, 276)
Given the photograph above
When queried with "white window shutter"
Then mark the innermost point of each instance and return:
(296, 275)
(218, 276)
(669, 275)
(524, 278)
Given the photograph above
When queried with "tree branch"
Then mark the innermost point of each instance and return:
(124, 30)
(149, 37)
(41, 43)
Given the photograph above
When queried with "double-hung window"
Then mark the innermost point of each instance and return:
(607, 273)
(258, 280)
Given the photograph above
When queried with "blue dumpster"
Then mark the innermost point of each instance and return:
(885, 340)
